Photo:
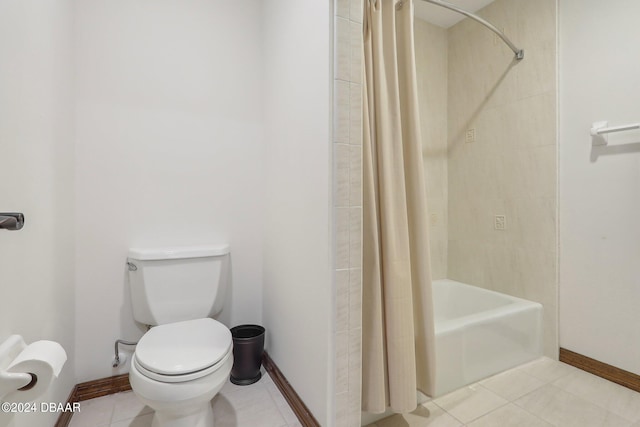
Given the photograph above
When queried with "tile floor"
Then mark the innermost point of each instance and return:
(542, 393)
(260, 404)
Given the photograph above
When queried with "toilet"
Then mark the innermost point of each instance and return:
(185, 358)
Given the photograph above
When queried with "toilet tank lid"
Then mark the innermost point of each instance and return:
(178, 252)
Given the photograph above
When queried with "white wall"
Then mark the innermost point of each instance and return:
(36, 177)
(600, 187)
(297, 280)
(168, 152)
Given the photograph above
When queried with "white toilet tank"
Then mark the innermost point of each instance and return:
(180, 283)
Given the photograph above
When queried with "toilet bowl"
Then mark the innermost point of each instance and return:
(177, 368)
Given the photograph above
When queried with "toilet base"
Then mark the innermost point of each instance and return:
(201, 417)
(180, 404)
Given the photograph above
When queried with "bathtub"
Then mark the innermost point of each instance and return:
(480, 333)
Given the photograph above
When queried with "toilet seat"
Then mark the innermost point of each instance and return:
(183, 351)
(181, 377)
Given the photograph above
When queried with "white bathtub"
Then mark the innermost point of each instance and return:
(480, 333)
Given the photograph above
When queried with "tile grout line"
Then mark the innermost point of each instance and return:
(448, 413)
(273, 401)
(516, 369)
(491, 411)
(518, 406)
(592, 402)
(588, 402)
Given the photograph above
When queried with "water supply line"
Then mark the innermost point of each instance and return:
(116, 359)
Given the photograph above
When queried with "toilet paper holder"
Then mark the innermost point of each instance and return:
(11, 221)
(27, 371)
(10, 381)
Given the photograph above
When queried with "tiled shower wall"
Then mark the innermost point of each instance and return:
(510, 169)
(347, 205)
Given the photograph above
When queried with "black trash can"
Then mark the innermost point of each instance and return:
(248, 345)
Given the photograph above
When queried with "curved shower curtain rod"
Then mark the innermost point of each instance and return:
(519, 52)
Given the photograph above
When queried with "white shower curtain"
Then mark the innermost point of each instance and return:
(397, 329)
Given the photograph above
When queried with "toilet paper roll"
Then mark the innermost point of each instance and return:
(44, 361)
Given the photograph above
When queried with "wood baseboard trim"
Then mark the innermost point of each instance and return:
(65, 417)
(603, 370)
(93, 389)
(305, 416)
(102, 387)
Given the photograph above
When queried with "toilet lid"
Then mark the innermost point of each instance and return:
(183, 347)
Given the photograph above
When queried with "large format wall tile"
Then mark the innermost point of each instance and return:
(511, 167)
